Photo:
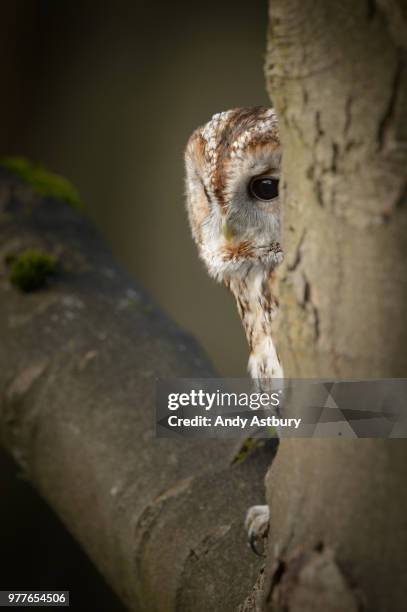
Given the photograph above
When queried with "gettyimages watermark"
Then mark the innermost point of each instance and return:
(225, 408)
(222, 399)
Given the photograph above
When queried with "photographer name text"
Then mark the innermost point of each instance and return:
(237, 421)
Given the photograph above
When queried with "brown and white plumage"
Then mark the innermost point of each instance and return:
(230, 161)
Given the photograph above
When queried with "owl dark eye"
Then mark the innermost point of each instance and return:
(264, 188)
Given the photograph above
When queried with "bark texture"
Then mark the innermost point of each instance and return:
(162, 519)
(336, 73)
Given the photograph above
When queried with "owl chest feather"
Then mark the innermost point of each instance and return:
(257, 309)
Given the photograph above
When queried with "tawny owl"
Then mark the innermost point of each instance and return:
(232, 178)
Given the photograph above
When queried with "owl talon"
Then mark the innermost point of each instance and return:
(257, 526)
(253, 546)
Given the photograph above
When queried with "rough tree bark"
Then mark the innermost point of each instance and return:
(160, 518)
(336, 73)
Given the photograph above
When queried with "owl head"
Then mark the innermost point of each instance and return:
(232, 177)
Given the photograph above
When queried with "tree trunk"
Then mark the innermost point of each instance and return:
(336, 73)
(162, 519)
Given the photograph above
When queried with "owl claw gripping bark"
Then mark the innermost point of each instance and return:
(232, 177)
(257, 526)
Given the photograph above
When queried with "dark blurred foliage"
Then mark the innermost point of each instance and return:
(107, 93)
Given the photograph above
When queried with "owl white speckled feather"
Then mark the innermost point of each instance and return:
(232, 175)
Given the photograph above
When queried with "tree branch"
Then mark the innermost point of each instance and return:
(160, 518)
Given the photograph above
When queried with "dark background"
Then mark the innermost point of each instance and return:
(107, 93)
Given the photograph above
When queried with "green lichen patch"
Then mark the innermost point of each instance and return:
(249, 445)
(43, 181)
(244, 450)
(32, 269)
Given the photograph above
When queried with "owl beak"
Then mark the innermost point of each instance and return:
(228, 231)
